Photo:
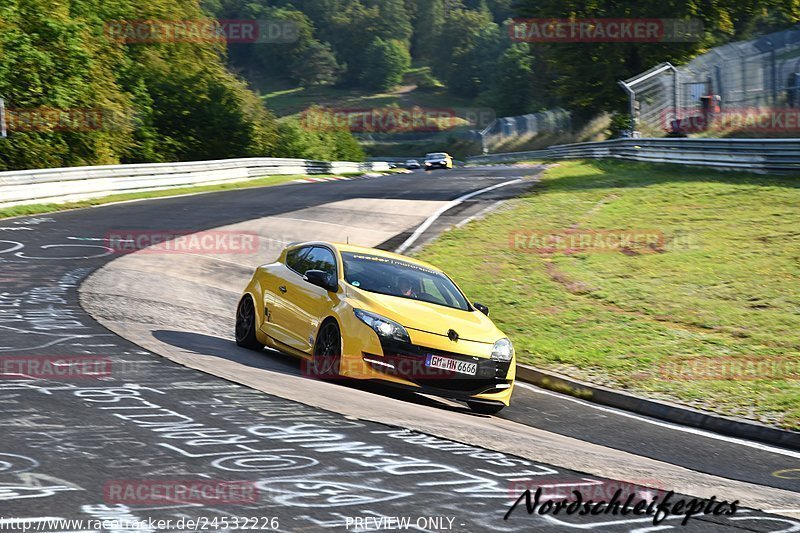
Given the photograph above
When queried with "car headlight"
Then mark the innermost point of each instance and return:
(383, 326)
(503, 351)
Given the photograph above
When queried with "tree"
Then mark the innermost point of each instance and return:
(347, 147)
(317, 66)
(385, 62)
(393, 21)
(159, 101)
(512, 90)
(429, 22)
(467, 49)
(273, 58)
(315, 138)
(353, 28)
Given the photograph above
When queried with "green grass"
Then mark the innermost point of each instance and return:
(721, 292)
(285, 100)
(35, 209)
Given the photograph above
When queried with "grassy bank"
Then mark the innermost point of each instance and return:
(706, 313)
(285, 99)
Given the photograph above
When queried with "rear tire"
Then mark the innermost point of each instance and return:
(485, 408)
(246, 325)
(327, 351)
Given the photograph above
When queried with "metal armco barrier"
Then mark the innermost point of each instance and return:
(755, 155)
(78, 183)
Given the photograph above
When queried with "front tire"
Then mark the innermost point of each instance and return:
(246, 325)
(328, 351)
(485, 408)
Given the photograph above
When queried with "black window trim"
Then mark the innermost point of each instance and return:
(311, 247)
(308, 248)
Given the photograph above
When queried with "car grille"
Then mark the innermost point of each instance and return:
(408, 361)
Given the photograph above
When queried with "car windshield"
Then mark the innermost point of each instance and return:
(386, 275)
(435, 156)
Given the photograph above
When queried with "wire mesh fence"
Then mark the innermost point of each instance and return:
(751, 86)
(550, 121)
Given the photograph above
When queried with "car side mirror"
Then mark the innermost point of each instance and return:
(322, 279)
(482, 308)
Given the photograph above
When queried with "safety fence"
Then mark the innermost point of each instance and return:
(756, 155)
(502, 129)
(731, 87)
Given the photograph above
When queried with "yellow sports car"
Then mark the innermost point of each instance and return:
(363, 313)
(438, 160)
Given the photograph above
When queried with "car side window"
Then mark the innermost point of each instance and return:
(318, 259)
(294, 258)
(430, 289)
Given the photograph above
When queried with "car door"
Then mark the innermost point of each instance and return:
(275, 287)
(304, 304)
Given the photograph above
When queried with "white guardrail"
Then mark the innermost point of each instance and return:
(55, 185)
(756, 155)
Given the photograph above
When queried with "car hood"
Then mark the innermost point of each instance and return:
(428, 317)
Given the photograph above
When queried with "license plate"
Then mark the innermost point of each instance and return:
(454, 365)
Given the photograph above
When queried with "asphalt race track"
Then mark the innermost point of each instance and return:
(320, 454)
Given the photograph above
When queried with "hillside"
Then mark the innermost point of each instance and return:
(82, 87)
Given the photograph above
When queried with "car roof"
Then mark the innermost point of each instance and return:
(366, 250)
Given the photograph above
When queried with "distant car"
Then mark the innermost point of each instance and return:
(412, 164)
(438, 160)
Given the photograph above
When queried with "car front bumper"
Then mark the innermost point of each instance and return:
(408, 362)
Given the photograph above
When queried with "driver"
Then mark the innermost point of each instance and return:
(406, 287)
